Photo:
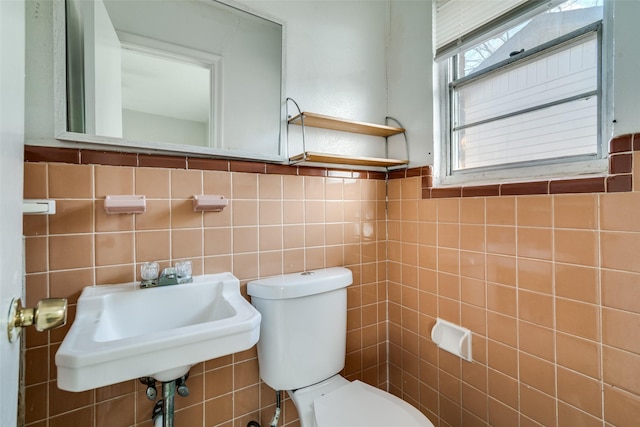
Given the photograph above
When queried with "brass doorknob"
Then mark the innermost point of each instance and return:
(49, 313)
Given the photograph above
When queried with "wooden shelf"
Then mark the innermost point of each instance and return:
(335, 159)
(334, 123)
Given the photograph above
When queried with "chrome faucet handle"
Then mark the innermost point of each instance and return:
(149, 274)
(184, 271)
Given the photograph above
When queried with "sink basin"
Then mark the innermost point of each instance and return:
(123, 332)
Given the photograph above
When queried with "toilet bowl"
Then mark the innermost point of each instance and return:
(337, 402)
(302, 348)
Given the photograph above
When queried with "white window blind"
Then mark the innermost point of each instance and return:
(455, 18)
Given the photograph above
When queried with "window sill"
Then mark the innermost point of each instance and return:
(618, 179)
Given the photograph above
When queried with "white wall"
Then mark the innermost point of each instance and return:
(626, 67)
(145, 126)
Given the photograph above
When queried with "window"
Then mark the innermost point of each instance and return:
(529, 93)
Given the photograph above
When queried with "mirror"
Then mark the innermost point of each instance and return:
(196, 76)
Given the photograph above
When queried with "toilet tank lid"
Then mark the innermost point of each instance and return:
(296, 285)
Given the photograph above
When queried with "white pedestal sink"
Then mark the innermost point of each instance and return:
(123, 332)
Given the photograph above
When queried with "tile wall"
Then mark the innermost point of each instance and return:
(276, 223)
(548, 284)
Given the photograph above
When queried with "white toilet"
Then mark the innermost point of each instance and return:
(302, 349)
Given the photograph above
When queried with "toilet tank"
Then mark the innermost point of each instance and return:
(304, 326)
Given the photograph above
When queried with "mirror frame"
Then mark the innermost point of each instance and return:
(91, 141)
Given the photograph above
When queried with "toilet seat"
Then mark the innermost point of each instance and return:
(359, 404)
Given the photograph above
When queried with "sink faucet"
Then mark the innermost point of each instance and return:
(181, 273)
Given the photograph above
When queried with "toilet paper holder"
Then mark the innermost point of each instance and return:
(452, 338)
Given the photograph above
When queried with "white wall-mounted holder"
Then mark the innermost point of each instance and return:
(38, 207)
(209, 203)
(452, 338)
(125, 204)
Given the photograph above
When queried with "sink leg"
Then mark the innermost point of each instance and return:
(168, 394)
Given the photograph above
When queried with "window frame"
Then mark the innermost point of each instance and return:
(571, 166)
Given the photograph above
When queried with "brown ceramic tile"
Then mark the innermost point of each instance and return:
(578, 354)
(105, 222)
(636, 142)
(620, 329)
(501, 299)
(152, 246)
(427, 181)
(502, 328)
(207, 164)
(501, 269)
(539, 342)
(536, 308)
(73, 418)
(481, 191)
(110, 180)
(472, 211)
(617, 365)
(36, 253)
(185, 183)
(183, 216)
(154, 183)
(577, 318)
(218, 410)
(249, 167)
(501, 240)
(70, 181)
(397, 174)
(620, 408)
(309, 171)
(113, 158)
(537, 405)
(119, 411)
(35, 181)
(537, 373)
(575, 211)
(535, 243)
(503, 388)
(502, 358)
(582, 185)
(619, 183)
(501, 211)
(501, 415)
(122, 273)
(577, 282)
(620, 211)
(620, 290)
(113, 248)
(524, 188)
(380, 176)
(445, 192)
(534, 211)
(158, 161)
(620, 163)
(576, 247)
(72, 216)
(51, 154)
(621, 144)
(580, 391)
(68, 252)
(618, 251)
(282, 169)
(186, 244)
(535, 275)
